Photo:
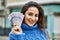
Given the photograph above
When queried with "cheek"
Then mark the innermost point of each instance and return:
(37, 19)
(27, 17)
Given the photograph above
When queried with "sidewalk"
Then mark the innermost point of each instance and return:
(4, 37)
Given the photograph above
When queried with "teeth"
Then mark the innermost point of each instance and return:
(31, 20)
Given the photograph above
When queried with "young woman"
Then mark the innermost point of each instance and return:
(32, 27)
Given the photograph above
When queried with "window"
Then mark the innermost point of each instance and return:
(2, 22)
(57, 22)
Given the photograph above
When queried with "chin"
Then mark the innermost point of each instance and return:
(30, 24)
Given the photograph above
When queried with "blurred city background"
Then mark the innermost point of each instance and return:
(51, 11)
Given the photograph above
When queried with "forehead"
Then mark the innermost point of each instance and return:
(33, 9)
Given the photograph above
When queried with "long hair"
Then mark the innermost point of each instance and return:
(41, 12)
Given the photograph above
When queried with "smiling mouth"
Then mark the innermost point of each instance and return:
(31, 22)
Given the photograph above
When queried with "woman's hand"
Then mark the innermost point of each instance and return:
(16, 29)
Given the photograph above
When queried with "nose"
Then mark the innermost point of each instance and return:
(33, 18)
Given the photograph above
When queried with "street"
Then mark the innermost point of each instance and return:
(3, 37)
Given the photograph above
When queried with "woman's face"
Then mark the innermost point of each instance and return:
(31, 16)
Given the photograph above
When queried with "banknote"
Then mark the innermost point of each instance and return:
(16, 17)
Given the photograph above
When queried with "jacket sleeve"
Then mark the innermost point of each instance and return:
(16, 36)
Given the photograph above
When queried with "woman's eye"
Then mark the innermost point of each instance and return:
(30, 14)
(36, 15)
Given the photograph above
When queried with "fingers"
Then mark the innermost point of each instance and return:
(16, 30)
(16, 25)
